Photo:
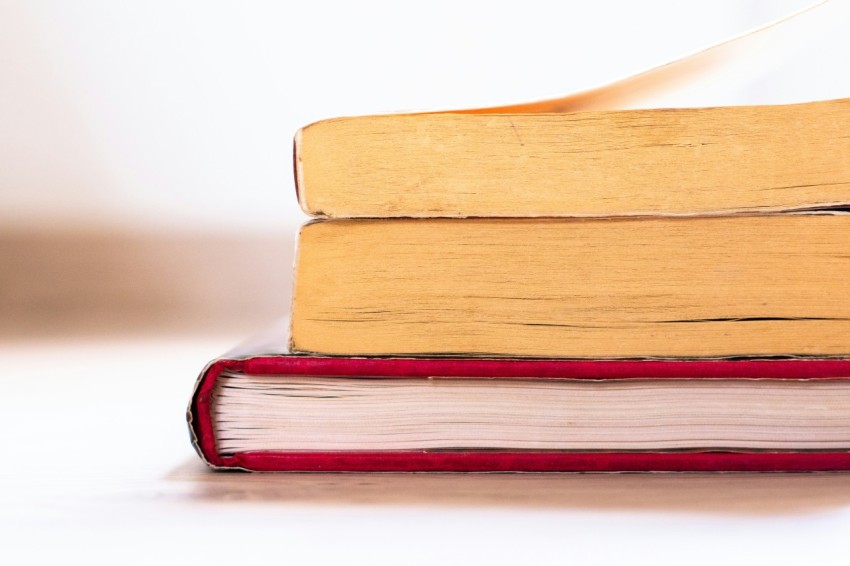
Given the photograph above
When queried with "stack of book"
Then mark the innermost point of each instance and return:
(644, 290)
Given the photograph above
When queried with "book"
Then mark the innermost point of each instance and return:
(616, 149)
(744, 286)
(263, 411)
(689, 161)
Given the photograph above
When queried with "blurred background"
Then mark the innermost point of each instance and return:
(145, 147)
(148, 222)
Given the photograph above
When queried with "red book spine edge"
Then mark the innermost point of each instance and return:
(201, 428)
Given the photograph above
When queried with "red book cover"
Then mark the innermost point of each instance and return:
(247, 361)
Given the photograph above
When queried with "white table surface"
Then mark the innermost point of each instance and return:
(98, 467)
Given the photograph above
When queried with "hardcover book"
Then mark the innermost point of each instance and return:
(262, 411)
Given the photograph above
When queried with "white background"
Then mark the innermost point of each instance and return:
(137, 123)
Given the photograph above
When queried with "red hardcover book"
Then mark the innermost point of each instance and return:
(282, 412)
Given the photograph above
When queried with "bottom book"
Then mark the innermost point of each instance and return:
(281, 412)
